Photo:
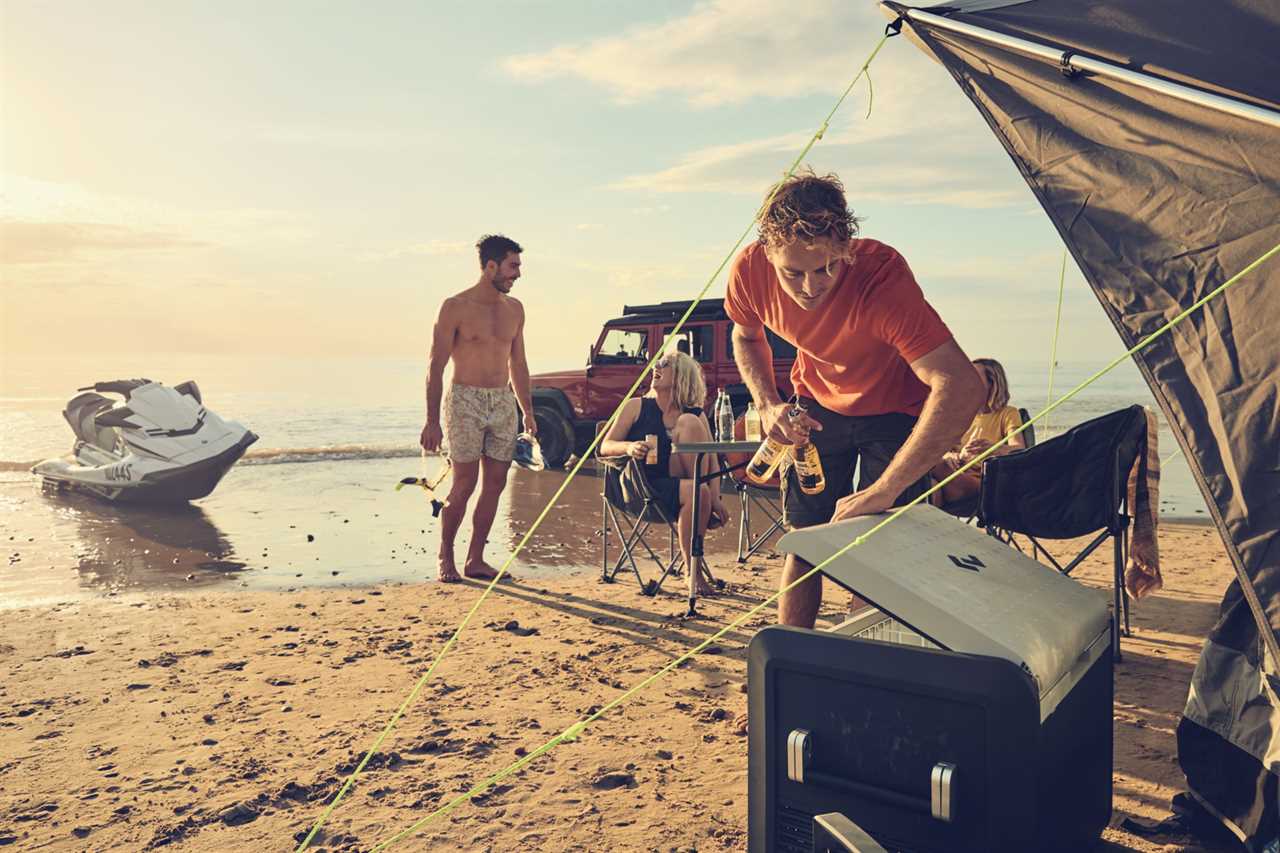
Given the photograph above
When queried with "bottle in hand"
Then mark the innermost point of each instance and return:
(766, 461)
(651, 458)
(808, 464)
(809, 469)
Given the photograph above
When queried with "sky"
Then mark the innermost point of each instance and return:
(308, 179)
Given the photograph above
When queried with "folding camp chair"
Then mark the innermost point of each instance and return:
(639, 519)
(629, 510)
(764, 500)
(1070, 486)
(967, 508)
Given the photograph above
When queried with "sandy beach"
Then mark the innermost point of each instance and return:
(224, 720)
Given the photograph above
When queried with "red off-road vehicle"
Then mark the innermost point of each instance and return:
(569, 403)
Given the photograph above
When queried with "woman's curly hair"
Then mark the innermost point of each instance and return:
(806, 208)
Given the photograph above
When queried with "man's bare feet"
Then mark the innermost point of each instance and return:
(482, 571)
(739, 725)
(448, 572)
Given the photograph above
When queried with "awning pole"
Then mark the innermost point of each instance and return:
(1088, 65)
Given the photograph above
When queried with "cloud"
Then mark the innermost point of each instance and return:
(31, 200)
(733, 168)
(908, 169)
(923, 143)
(50, 242)
(1033, 271)
(341, 138)
(428, 248)
(668, 280)
(726, 51)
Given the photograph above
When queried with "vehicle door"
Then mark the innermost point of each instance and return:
(619, 355)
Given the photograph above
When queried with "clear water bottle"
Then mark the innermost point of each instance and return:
(724, 417)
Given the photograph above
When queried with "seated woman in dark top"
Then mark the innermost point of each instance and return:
(672, 411)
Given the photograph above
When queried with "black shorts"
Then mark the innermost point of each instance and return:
(843, 442)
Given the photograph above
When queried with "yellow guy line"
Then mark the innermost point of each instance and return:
(1057, 324)
(590, 450)
(577, 728)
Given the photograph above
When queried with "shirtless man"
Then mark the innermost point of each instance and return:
(482, 330)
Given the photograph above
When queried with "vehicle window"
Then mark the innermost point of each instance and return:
(782, 350)
(624, 346)
(697, 341)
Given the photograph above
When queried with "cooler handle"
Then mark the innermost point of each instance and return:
(939, 806)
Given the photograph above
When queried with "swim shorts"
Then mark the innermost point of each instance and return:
(480, 421)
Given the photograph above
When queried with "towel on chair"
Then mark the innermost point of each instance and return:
(1142, 574)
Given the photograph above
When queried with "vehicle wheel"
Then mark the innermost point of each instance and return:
(555, 434)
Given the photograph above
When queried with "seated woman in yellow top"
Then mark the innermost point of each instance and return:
(996, 420)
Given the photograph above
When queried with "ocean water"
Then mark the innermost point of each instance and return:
(344, 410)
(335, 437)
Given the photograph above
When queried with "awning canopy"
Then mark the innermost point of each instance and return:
(1149, 131)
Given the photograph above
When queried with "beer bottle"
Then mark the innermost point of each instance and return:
(751, 423)
(766, 461)
(809, 469)
(808, 464)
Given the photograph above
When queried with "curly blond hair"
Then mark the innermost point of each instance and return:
(806, 208)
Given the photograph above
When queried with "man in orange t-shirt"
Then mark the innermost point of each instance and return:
(883, 381)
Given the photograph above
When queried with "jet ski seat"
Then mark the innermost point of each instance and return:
(82, 413)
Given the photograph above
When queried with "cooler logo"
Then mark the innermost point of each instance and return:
(970, 562)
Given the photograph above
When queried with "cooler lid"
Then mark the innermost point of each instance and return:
(962, 589)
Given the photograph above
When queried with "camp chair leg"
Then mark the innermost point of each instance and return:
(671, 569)
(673, 548)
(604, 540)
(749, 544)
(1119, 613)
(706, 570)
(1089, 549)
(1120, 565)
(631, 542)
(627, 543)
(775, 526)
(640, 530)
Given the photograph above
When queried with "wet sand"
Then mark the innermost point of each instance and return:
(280, 527)
(219, 720)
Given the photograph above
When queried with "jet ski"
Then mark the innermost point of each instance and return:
(157, 445)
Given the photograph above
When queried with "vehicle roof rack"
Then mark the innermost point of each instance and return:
(676, 308)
